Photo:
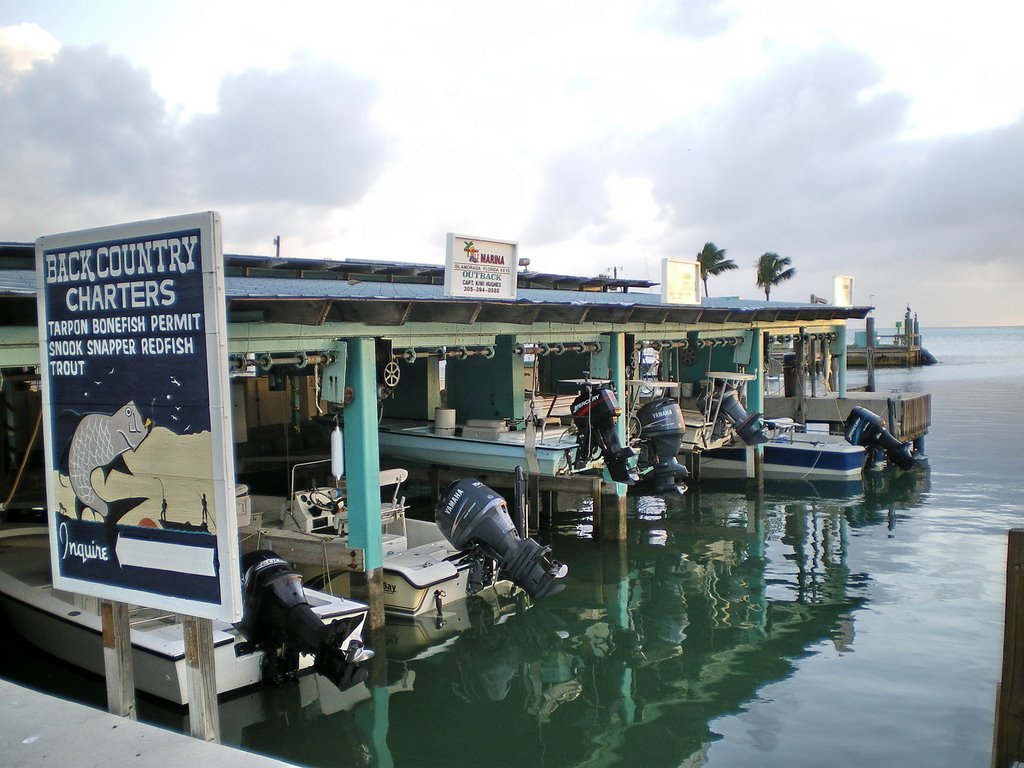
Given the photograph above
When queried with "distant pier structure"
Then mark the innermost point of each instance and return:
(902, 349)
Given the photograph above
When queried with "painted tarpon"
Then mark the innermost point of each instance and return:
(99, 442)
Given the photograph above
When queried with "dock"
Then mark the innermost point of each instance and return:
(889, 356)
(45, 730)
(908, 415)
(903, 349)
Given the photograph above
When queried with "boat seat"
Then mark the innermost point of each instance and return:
(392, 505)
(424, 566)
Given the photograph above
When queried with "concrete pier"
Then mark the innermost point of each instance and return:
(41, 730)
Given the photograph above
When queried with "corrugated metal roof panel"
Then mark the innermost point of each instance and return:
(17, 282)
(240, 265)
(615, 306)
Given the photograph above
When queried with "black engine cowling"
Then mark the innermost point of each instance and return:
(661, 434)
(278, 620)
(594, 413)
(864, 428)
(476, 519)
(749, 426)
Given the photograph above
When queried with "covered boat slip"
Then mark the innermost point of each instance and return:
(366, 343)
(290, 323)
(287, 317)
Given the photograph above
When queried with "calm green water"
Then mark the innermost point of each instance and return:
(818, 625)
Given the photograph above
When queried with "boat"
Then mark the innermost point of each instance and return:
(424, 567)
(792, 451)
(481, 444)
(724, 430)
(68, 626)
(790, 454)
(422, 573)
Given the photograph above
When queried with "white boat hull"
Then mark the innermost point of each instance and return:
(418, 443)
(796, 457)
(419, 576)
(52, 621)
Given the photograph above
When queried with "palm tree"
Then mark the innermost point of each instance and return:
(772, 269)
(713, 262)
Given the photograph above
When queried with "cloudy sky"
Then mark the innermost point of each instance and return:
(882, 140)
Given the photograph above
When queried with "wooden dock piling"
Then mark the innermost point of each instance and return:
(1008, 740)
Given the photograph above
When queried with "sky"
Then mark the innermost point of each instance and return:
(880, 140)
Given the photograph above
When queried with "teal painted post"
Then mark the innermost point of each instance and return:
(755, 388)
(612, 519)
(618, 614)
(362, 453)
(379, 696)
(839, 350)
(758, 587)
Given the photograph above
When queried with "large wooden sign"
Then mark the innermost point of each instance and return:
(139, 466)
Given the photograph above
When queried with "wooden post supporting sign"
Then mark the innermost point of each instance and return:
(117, 659)
(201, 679)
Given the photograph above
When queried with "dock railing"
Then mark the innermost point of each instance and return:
(898, 340)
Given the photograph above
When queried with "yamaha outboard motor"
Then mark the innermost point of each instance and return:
(475, 518)
(661, 434)
(594, 413)
(865, 428)
(749, 426)
(277, 619)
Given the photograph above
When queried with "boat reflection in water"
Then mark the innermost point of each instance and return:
(712, 597)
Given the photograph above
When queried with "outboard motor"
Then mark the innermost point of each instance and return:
(865, 428)
(661, 433)
(277, 619)
(475, 518)
(749, 427)
(594, 413)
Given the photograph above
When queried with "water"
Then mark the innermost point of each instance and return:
(817, 625)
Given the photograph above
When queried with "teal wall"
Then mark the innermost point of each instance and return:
(482, 388)
(568, 365)
(418, 391)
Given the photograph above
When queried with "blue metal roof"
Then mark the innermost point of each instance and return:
(270, 289)
(307, 288)
(394, 293)
(14, 282)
